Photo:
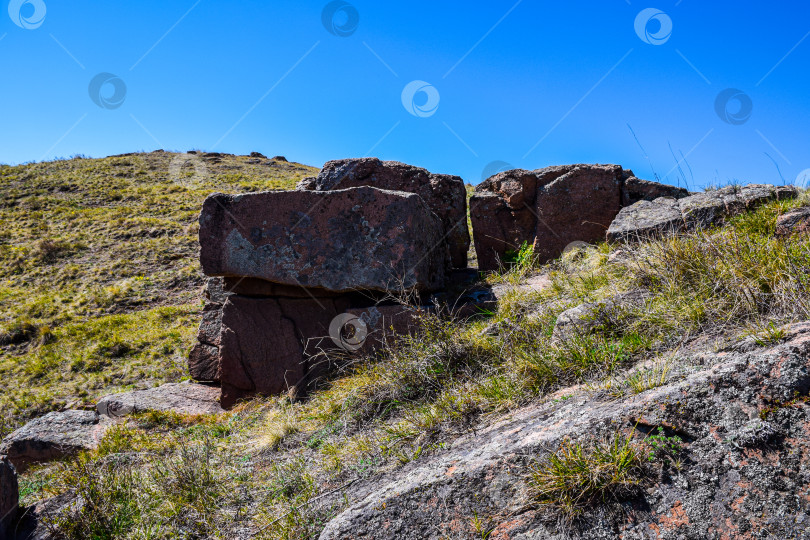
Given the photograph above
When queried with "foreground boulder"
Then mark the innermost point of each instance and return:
(551, 208)
(744, 419)
(344, 240)
(444, 194)
(181, 398)
(662, 216)
(9, 497)
(54, 436)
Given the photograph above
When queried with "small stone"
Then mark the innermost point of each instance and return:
(181, 398)
(54, 436)
(796, 221)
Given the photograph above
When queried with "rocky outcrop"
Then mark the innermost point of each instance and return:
(551, 208)
(53, 436)
(9, 497)
(796, 221)
(444, 194)
(653, 219)
(182, 398)
(304, 277)
(344, 240)
(742, 414)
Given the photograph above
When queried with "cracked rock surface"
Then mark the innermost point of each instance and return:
(745, 471)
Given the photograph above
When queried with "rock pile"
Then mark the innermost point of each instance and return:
(551, 208)
(286, 266)
(293, 263)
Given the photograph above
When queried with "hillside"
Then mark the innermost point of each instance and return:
(654, 387)
(99, 273)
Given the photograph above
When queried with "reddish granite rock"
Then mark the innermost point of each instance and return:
(378, 325)
(350, 239)
(552, 207)
(9, 497)
(742, 420)
(269, 345)
(443, 193)
(203, 360)
(635, 189)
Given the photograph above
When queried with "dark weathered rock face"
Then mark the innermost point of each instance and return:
(271, 345)
(551, 208)
(267, 343)
(651, 219)
(53, 436)
(350, 239)
(9, 497)
(181, 398)
(741, 476)
(203, 360)
(444, 194)
(797, 221)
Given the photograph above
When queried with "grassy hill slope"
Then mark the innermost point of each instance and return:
(99, 272)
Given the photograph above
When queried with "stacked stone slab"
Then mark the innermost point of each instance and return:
(290, 263)
(550, 208)
(444, 194)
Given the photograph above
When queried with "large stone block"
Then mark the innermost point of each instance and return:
(551, 208)
(446, 195)
(350, 239)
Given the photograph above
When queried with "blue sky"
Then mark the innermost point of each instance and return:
(530, 83)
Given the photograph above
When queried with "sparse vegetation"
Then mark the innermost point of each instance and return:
(578, 475)
(111, 300)
(99, 277)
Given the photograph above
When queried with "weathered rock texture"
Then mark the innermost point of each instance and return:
(744, 417)
(271, 345)
(650, 219)
(181, 398)
(9, 497)
(444, 194)
(53, 436)
(552, 207)
(203, 360)
(344, 240)
(796, 221)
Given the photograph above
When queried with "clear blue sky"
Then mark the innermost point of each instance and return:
(532, 83)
